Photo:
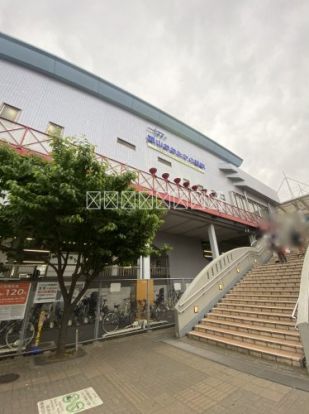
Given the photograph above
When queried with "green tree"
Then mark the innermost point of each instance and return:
(45, 208)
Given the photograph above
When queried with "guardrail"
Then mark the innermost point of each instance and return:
(29, 140)
(214, 281)
(303, 307)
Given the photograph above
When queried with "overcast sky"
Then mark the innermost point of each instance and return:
(236, 70)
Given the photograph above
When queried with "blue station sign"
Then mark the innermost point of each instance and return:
(156, 139)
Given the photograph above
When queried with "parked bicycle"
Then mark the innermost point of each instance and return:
(160, 311)
(173, 297)
(10, 331)
(120, 317)
(82, 312)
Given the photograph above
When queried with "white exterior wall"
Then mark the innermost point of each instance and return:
(43, 99)
(186, 257)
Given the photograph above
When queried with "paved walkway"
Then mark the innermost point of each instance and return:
(142, 374)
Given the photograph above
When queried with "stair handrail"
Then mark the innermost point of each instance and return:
(224, 262)
(303, 298)
(303, 307)
(295, 310)
(214, 281)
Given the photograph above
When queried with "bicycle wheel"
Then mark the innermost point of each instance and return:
(12, 335)
(132, 317)
(110, 322)
(158, 313)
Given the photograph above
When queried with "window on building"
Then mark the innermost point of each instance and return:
(165, 162)
(9, 112)
(54, 129)
(126, 144)
(250, 205)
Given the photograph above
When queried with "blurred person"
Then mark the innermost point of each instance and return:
(297, 240)
(277, 247)
(297, 232)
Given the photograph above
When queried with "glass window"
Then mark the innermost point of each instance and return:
(54, 129)
(126, 143)
(165, 162)
(9, 112)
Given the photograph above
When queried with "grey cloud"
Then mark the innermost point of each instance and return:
(235, 70)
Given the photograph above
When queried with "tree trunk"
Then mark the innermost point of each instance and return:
(62, 336)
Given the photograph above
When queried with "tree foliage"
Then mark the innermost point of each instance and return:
(45, 207)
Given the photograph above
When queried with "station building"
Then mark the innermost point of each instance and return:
(216, 206)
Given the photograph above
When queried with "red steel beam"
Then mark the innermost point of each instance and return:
(17, 134)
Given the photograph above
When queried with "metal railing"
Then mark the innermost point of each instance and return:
(109, 308)
(214, 281)
(25, 271)
(26, 139)
(302, 322)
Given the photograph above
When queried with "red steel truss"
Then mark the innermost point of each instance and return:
(25, 139)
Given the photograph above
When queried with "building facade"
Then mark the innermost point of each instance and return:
(41, 94)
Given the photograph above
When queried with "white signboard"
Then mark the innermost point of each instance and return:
(115, 287)
(46, 292)
(177, 286)
(75, 402)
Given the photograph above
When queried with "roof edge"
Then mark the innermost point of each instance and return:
(17, 51)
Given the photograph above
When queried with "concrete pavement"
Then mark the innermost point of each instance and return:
(142, 374)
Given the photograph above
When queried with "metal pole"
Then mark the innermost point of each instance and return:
(148, 306)
(76, 340)
(98, 313)
(29, 304)
(288, 184)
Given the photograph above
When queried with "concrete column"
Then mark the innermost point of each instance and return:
(146, 267)
(213, 241)
(140, 267)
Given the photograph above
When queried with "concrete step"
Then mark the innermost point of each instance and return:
(257, 308)
(274, 302)
(265, 271)
(291, 269)
(289, 335)
(277, 355)
(254, 296)
(257, 339)
(270, 284)
(274, 276)
(279, 267)
(262, 290)
(253, 314)
(269, 323)
(272, 279)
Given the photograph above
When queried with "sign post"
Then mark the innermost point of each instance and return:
(28, 309)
